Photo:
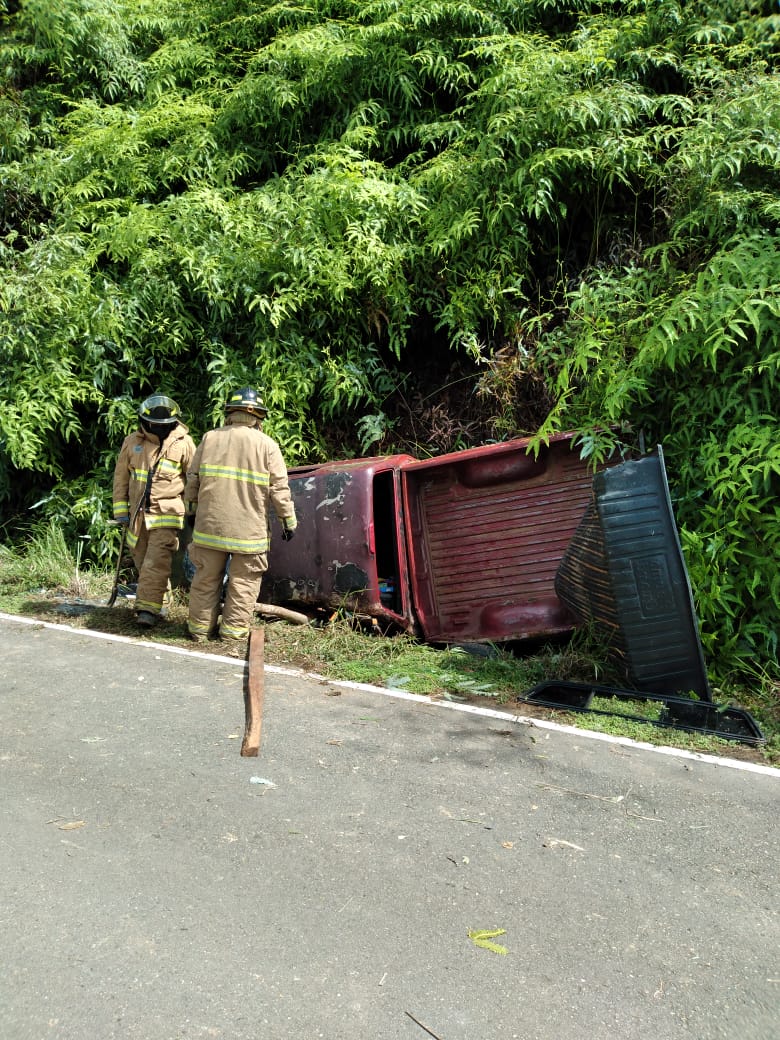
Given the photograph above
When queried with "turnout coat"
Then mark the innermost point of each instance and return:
(140, 456)
(236, 477)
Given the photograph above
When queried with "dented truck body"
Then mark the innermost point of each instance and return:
(463, 547)
(494, 544)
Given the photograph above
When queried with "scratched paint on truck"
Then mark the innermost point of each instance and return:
(349, 541)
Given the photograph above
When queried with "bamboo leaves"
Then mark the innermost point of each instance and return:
(578, 200)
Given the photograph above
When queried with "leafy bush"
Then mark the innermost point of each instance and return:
(568, 206)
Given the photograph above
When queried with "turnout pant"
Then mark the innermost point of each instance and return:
(153, 558)
(243, 587)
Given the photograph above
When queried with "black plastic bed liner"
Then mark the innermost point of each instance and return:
(684, 713)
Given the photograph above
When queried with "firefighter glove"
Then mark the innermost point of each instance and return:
(287, 534)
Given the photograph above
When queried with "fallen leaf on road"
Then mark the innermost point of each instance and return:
(481, 937)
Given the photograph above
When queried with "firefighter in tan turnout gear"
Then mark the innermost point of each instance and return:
(149, 479)
(238, 474)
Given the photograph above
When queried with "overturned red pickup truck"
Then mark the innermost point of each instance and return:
(496, 544)
(461, 547)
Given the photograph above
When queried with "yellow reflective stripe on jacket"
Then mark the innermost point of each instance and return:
(249, 476)
(164, 520)
(236, 545)
(166, 466)
(121, 508)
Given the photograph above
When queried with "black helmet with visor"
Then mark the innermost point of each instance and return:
(246, 400)
(159, 415)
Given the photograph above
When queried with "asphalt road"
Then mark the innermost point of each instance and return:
(156, 885)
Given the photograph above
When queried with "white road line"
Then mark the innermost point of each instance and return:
(470, 709)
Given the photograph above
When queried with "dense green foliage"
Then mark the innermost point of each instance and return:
(571, 205)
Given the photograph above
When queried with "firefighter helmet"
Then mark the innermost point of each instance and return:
(159, 414)
(246, 400)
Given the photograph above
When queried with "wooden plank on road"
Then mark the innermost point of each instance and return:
(253, 694)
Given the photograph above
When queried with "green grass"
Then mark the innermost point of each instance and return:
(46, 562)
(45, 580)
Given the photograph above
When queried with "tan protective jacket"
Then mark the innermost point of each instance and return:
(237, 474)
(139, 455)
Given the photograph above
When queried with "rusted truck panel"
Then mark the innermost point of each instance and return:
(463, 547)
(487, 529)
(349, 549)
